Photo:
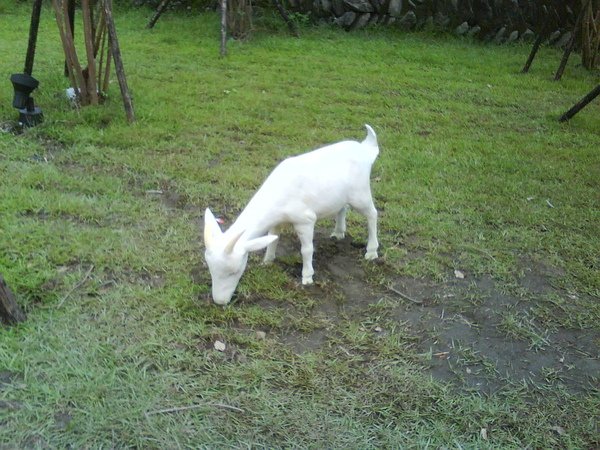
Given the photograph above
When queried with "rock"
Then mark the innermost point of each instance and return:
(512, 37)
(361, 21)
(408, 21)
(219, 346)
(346, 19)
(474, 31)
(395, 8)
(378, 5)
(360, 6)
(375, 18)
(554, 37)
(462, 29)
(261, 335)
(500, 35)
(564, 40)
(459, 274)
(325, 6)
(528, 35)
(338, 7)
(441, 20)
(387, 20)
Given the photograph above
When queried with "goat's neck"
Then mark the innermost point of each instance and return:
(255, 220)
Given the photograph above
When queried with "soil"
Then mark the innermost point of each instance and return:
(455, 324)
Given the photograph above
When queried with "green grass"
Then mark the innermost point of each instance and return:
(112, 277)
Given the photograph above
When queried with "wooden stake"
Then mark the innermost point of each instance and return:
(223, 27)
(9, 309)
(158, 13)
(571, 45)
(286, 18)
(116, 53)
(581, 104)
(539, 39)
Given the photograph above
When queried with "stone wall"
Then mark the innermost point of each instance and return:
(493, 20)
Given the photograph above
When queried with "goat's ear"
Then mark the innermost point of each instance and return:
(259, 243)
(212, 231)
(231, 243)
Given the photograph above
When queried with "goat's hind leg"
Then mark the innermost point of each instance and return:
(339, 232)
(305, 232)
(366, 207)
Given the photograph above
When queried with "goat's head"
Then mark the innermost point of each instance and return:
(227, 257)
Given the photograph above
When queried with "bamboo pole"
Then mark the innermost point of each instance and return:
(92, 89)
(107, 70)
(101, 52)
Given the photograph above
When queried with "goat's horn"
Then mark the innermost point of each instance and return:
(231, 244)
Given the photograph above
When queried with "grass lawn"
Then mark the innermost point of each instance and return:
(478, 327)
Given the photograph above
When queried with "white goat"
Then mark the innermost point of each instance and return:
(300, 190)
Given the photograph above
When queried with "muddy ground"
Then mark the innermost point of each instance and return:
(456, 326)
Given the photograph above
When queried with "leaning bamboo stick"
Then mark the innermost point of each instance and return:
(101, 60)
(106, 70)
(63, 38)
(77, 70)
(116, 54)
(100, 26)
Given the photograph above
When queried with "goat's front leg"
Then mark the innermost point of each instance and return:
(271, 248)
(340, 224)
(305, 232)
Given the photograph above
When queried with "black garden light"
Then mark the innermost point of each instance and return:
(23, 84)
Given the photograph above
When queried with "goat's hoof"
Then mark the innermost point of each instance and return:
(268, 262)
(371, 255)
(307, 280)
(339, 235)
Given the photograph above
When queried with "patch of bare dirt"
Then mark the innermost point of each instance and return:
(457, 325)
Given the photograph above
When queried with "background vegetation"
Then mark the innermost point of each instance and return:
(100, 240)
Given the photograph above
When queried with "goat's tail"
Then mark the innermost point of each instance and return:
(371, 138)
(370, 143)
